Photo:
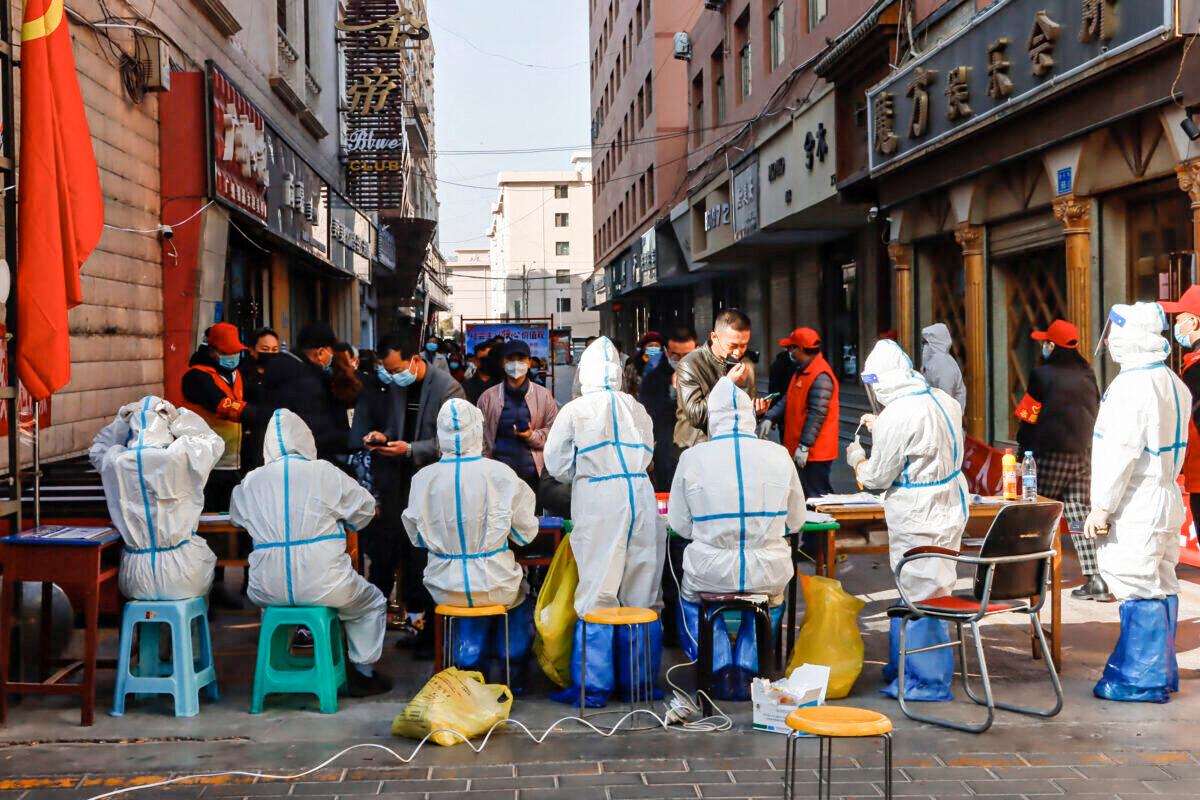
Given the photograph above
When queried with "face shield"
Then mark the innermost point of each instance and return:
(869, 382)
(1116, 319)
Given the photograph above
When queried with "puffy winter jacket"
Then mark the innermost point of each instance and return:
(1065, 388)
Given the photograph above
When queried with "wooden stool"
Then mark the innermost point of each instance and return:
(834, 722)
(629, 617)
(443, 633)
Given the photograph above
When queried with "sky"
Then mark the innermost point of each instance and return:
(485, 101)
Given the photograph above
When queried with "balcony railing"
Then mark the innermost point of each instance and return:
(288, 80)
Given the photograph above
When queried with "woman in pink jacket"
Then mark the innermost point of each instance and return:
(517, 415)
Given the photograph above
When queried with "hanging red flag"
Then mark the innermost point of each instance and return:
(60, 211)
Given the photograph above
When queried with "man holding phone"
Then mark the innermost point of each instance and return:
(517, 416)
(725, 354)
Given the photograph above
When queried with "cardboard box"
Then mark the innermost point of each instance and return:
(774, 701)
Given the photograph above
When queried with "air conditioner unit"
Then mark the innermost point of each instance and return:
(715, 5)
(683, 46)
(154, 61)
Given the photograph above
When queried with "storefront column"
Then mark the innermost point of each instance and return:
(1189, 181)
(901, 256)
(1074, 213)
(970, 239)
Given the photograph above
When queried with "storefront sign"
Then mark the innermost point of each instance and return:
(745, 200)
(648, 259)
(600, 288)
(350, 235)
(716, 216)
(1064, 182)
(385, 248)
(239, 148)
(776, 169)
(297, 199)
(534, 334)
(1014, 52)
(375, 34)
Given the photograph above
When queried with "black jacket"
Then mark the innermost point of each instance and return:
(200, 390)
(780, 376)
(382, 408)
(295, 383)
(475, 385)
(1066, 387)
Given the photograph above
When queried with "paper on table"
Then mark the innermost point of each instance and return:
(857, 499)
(988, 500)
(214, 517)
(818, 517)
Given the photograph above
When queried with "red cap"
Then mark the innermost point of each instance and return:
(651, 336)
(804, 338)
(1060, 332)
(225, 338)
(1189, 303)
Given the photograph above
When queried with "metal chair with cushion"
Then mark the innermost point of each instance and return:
(1012, 569)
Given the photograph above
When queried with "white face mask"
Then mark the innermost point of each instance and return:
(515, 369)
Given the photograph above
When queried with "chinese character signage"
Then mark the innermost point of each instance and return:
(1015, 52)
(745, 200)
(350, 235)
(239, 148)
(534, 334)
(379, 41)
(297, 199)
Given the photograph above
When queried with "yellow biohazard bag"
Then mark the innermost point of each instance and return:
(554, 616)
(829, 634)
(454, 700)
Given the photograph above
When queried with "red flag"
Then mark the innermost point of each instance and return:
(60, 211)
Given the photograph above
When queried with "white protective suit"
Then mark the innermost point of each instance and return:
(938, 365)
(916, 458)
(602, 444)
(1137, 454)
(735, 496)
(296, 509)
(154, 461)
(463, 509)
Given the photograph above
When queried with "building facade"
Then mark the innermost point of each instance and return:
(540, 246)
(470, 279)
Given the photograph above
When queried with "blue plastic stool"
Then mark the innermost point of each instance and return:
(184, 676)
(280, 672)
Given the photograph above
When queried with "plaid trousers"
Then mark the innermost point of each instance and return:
(1067, 477)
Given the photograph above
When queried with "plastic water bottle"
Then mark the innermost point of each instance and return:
(1029, 478)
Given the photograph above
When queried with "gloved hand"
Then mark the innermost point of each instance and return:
(167, 411)
(801, 457)
(764, 428)
(1097, 519)
(868, 422)
(855, 454)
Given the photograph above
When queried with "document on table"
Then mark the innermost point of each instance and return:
(818, 517)
(69, 532)
(214, 517)
(857, 499)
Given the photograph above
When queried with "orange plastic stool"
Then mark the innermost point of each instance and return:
(629, 617)
(443, 633)
(834, 722)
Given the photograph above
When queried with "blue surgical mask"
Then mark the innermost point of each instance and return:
(431, 347)
(327, 367)
(1047, 349)
(653, 356)
(230, 362)
(455, 365)
(384, 376)
(1184, 339)
(405, 378)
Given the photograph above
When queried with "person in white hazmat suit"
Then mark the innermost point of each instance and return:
(916, 460)
(154, 461)
(938, 365)
(464, 509)
(1137, 453)
(296, 509)
(602, 443)
(736, 497)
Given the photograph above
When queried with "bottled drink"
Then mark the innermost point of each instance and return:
(1009, 473)
(1029, 478)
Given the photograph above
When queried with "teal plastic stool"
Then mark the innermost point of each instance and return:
(185, 674)
(280, 672)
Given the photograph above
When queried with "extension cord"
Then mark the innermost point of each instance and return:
(680, 709)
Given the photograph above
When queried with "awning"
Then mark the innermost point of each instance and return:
(847, 41)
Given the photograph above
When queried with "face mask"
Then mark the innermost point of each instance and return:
(230, 362)
(515, 369)
(264, 358)
(431, 347)
(653, 356)
(384, 376)
(1047, 349)
(327, 367)
(405, 378)
(1184, 338)
(455, 365)
(792, 356)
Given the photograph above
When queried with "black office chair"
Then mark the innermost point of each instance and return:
(1010, 577)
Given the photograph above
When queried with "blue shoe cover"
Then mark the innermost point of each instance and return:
(1173, 665)
(689, 636)
(638, 637)
(745, 655)
(599, 667)
(471, 642)
(1139, 669)
(520, 632)
(927, 676)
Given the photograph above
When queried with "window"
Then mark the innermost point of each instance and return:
(718, 69)
(561, 220)
(775, 33)
(564, 305)
(560, 191)
(562, 275)
(817, 9)
(698, 110)
(642, 195)
(517, 309)
(308, 42)
(638, 17)
(649, 96)
(650, 186)
(641, 107)
(562, 248)
(281, 15)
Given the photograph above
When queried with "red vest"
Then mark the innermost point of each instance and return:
(226, 421)
(1191, 461)
(826, 446)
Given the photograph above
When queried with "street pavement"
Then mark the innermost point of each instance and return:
(1093, 748)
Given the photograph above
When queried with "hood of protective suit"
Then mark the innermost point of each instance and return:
(460, 428)
(893, 372)
(150, 422)
(600, 367)
(729, 409)
(937, 338)
(287, 434)
(1135, 334)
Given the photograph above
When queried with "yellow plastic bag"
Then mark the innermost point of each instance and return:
(554, 616)
(829, 634)
(454, 700)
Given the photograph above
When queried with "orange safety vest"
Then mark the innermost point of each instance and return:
(826, 446)
(226, 422)
(1191, 459)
